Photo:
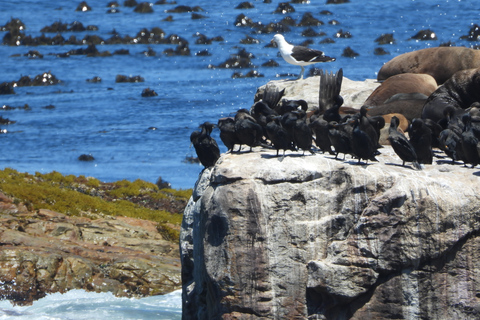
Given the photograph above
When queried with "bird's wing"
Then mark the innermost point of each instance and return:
(305, 54)
(272, 96)
(338, 82)
(330, 85)
(401, 145)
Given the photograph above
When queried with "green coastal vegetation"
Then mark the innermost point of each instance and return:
(80, 195)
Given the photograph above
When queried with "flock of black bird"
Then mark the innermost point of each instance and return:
(289, 125)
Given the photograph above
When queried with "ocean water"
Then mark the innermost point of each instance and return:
(82, 305)
(111, 120)
(113, 123)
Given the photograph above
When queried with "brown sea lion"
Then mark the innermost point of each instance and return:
(409, 105)
(403, 93)
(402, 83)
(441, 62)
(459, 92)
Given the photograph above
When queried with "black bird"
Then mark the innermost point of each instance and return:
(329, 102)
(435, 128)
(451, 143)
(260, 111)
(320, 128)
(227, 132)
(333, 113)
(370, 125)
(340, 136)
(421, 140)
(288, 121)
(329, 99)
(450, 139)
(400, 144)
(377, 122)
(248, 131)
(362, 145)
(469, 142)
(302, 135)
(280, 138)
(205, 146)
(452, 117)
(291, 105)
(271, 96)
(266, 104)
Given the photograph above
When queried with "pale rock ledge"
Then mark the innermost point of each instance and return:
(354, 93)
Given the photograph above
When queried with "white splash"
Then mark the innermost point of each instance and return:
(79, 304)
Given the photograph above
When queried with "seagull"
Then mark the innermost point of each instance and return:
(299, 55)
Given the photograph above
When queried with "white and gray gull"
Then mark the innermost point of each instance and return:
(299, 55)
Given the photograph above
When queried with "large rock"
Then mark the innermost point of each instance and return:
(309, 236)
(45, 251)
(354, 93)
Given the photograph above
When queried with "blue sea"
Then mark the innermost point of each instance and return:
(134, 137)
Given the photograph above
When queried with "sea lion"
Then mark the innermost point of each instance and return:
(402, 83)
(409, 105)
(459, 92)
(403, 93)
(441, 62)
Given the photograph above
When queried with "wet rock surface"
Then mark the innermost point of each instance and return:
(267, 237)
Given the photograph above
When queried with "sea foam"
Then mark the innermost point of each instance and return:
(79, 304)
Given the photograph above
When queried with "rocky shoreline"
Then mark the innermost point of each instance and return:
(44, 251)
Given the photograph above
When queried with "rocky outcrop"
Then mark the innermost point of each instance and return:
(298, 237)
(45, 251)
(354, 93)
